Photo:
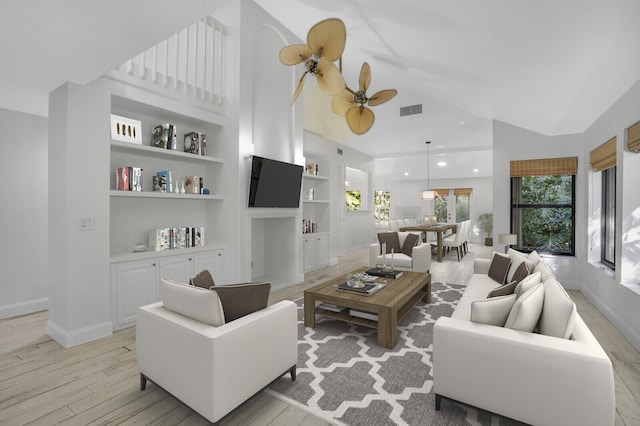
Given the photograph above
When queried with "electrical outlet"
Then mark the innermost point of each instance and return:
(86, 224)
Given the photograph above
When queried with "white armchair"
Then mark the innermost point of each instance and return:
(419, 261)
(214, 369)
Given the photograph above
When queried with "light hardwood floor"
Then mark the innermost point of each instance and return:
(97, 383)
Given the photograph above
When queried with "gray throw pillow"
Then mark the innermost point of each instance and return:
(239, 300)
(203, 279)
(503, 290)
(409, 243)
(521, 272)
(392, 241)
(499, 267)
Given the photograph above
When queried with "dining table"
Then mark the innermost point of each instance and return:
(438, 228)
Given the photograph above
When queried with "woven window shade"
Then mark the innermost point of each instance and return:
(604, 156)
(545, 167)
(462, 191)
(633, 138)
(440, 192)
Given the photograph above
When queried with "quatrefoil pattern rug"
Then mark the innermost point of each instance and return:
(345, 378)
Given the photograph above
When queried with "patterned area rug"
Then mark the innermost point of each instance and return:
(345, 378)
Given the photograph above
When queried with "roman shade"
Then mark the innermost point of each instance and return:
(544, 167)
(633, 138)
(604, 156)
(462, 191)
(441, 192)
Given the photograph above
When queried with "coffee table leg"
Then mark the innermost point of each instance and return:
(387, 328)
(427, 289)
(309, 311)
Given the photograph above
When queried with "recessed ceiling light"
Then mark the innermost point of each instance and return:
(442, 163)
(475, 170)
(406, 173)
(461, 122)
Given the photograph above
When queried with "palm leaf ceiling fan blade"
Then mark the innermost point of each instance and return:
(382, 97)
(329, 78)
(341, 103)
(295, 54)
(365, 77)
(327, 39)
(298, 89)
(360, 119)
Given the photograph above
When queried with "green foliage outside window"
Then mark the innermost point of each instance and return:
(353, 200)
(441, 208)
(382, 200)
(462, 208)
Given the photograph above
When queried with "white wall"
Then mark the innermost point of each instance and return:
(618, 298)
(23, 213)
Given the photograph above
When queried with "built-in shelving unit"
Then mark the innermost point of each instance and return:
(316, 210)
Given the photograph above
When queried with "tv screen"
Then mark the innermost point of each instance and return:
(274, 183)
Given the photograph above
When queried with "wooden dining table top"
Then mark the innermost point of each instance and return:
(431, 227)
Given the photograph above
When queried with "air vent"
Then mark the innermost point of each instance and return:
(410, 110)
(339, 151)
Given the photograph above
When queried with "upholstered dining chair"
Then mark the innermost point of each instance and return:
(456, 240)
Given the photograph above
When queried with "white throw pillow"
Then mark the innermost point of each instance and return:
(516, 260)
(559, 311)
(533, 256)
(527, 283)
(492, 311)
(526, 311)
(194, 302)
(544, 270)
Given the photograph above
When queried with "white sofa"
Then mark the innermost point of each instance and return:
(527, 376)
(419, 261)
(214, 369)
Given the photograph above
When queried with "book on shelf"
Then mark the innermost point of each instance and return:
(367, 289)
(160, 136)
(363, 314)
(129, 179)
(176, 238)
(379, 272)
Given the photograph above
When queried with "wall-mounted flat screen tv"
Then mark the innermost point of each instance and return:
(274, 183)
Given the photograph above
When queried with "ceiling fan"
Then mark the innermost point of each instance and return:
(351, 104)
(325, 44)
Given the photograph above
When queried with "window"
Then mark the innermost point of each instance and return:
(352, 200)
(543, 205)
(608, 235)
(462, 203)
(383, 203)
(441, 208)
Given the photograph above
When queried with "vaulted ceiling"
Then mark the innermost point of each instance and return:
(551, 66)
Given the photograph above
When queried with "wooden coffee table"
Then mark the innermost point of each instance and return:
(390, 303)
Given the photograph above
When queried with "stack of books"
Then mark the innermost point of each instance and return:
(379, 272)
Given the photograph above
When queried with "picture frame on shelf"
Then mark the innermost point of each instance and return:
(125, 129)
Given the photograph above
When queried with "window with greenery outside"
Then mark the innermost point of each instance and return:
(353, 200)
(441, 208)
(543, 213)
(382, 200)
(462, 208)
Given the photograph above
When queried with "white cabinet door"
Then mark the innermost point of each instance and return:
(310, 252)
(213, 262)
(177, 268)
(136, 284)
(322, 250)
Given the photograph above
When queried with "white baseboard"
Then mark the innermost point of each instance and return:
(76, 337)
(629, 333)
(23, 308)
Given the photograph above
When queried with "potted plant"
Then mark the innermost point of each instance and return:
(485, 221)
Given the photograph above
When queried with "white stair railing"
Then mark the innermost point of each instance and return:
(188, 64)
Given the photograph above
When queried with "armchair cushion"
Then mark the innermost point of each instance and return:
(203, 279)
(193, 302)
(410, 242)
(391, 240)
(239, 300)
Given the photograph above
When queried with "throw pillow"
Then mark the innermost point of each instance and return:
(520, 273)
(203, 279)
(391, 240)
(503, 290)
(527, 283)
(409, 243)
(239, 300)
(499, 267)
(516, 261)
(526, 311)
(492, 311)
(544, 270)
(533, 256)
(559, 311)
(192, 302)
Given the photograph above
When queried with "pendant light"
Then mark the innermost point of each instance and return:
(427, 194)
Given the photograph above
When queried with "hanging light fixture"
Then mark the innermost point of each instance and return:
(427, 194)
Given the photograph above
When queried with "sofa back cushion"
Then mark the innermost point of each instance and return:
(526, 310)
(494, 311)
(239, 300)
(544, 270)
(527, 283)
(559, 312)
(193, 302)
(410, 241)
(499, 267)
(391, 240)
